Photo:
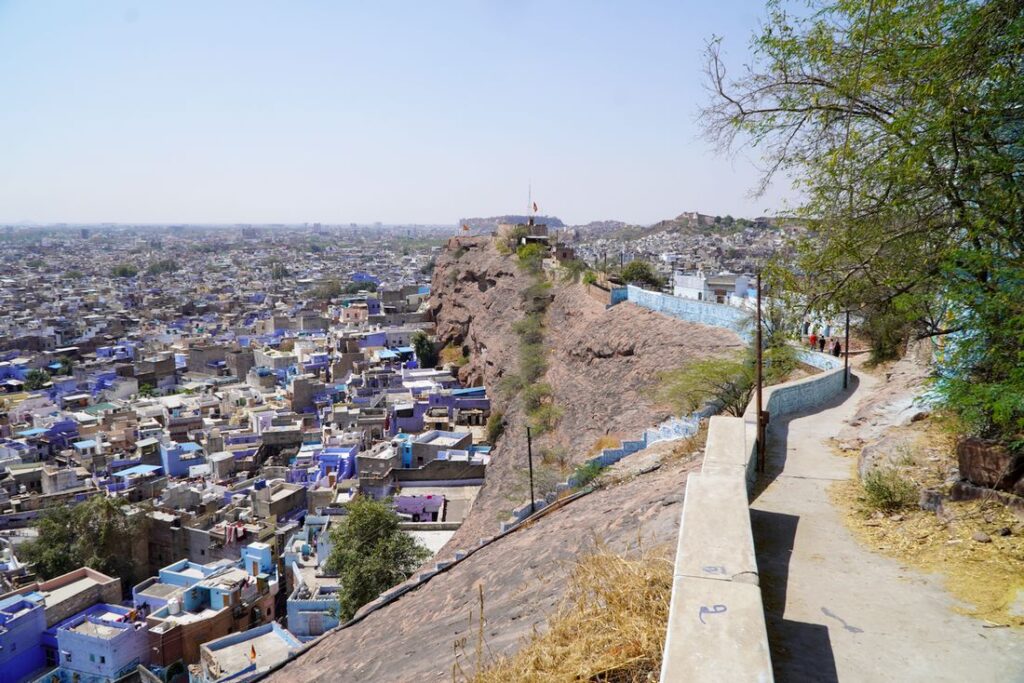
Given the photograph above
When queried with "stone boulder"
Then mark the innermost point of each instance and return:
(992, 465)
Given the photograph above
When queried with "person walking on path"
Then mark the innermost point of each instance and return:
(837, 349)
(821, 344)
(813, 339)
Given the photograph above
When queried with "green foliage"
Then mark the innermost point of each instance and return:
(530, 329)
(532, 362)
(531, 257)
(730, 381)
(887, 330)
(513, 239)
(356, 287)
(370, 554)
(573, 270)
(535, 395)
(495, 426)
(586, 473)
(642, 274)
(544, 418)
(147, 390)
(904, 123)
(537, 297)
(326, 291)
(36, 379)
(97, 533)
(74, 275)
(34, 263)
(161, 267)
(726, 380)
(426, 352)
(124, 270)
(590, 278)
(887, 491)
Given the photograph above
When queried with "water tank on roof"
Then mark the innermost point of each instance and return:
(173, 606)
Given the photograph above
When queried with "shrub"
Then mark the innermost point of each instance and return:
(590, 278)
(536, 395)
(545, 418)
(642, 273)
(531, 257)
(495, 426)
(530, 329)
(586, 473)
(887, 491)
(532, 363)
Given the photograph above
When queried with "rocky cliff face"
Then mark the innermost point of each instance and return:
(602, 364)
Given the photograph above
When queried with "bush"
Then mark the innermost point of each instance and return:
(536, 395)
(887, 491)
(495, 426)
(530, 329)
(124, 270)
(531, 257)
(590, 278)
(642, 273)
(532, 363)
(426, 354)
(545, 418)
(586, 473)
(537, 297)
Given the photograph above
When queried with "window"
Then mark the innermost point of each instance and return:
(103, 659)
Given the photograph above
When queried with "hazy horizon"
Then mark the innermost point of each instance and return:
(138, 113)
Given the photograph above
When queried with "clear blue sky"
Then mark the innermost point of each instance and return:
(364, 111)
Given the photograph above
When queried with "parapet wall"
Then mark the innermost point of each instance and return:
(705, 312)
(716, 628)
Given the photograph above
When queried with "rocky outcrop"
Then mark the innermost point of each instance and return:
(603, 365)
(991, 465)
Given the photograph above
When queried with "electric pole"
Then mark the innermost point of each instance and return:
(529, 456)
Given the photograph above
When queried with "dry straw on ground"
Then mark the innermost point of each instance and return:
(610, 626)
(985, 576)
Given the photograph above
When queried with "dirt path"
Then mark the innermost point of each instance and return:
(835, 610)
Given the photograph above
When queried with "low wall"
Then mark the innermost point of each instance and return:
(716, 628)
(705, 312)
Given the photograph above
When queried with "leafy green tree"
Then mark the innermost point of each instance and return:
(370, 554)
(97, 533)
(643, 274)
(904, 122)
(124, 270)
(730, 381)
(426, 352)
(147, 390)
(36, 379)
(162, 266)
(531, 257)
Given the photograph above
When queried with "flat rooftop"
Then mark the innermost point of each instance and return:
(270, 649)
(96, 630)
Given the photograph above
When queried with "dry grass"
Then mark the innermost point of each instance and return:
(985, 577)
(602, 443)
(452, 355)
(610, 626)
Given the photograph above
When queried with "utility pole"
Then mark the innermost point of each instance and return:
(760, 381)
(529, 455)
(846, 352)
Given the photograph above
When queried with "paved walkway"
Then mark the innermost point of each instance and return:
(837, 612)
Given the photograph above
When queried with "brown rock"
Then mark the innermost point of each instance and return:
(989, 464)
(981, 537)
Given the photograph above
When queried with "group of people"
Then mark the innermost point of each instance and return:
(820, 342)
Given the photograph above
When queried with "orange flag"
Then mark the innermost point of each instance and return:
(252, 652)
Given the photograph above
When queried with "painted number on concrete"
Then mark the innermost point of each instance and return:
(714, 609)
(713, 569)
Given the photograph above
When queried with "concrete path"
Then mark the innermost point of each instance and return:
(838, 612)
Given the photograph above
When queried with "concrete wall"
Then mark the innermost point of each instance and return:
(716, 630)
(717, 315)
